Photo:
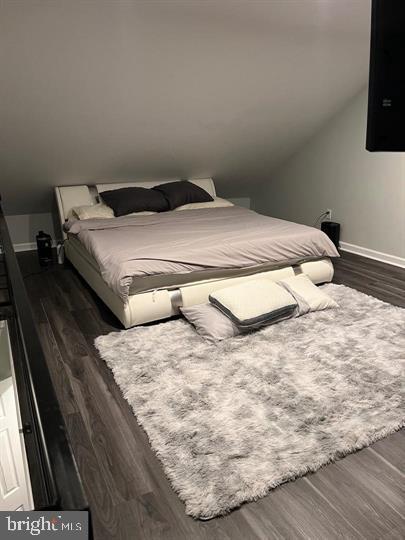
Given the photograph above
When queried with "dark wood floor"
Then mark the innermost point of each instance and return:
(361, 496)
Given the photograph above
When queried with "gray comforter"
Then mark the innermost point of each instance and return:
(194, 240)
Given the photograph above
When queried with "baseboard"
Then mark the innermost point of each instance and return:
(26, 246)
(372, 254)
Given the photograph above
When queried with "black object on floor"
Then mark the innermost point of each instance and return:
(332, 229)
(44, 245)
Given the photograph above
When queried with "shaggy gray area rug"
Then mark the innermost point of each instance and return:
(230, 421)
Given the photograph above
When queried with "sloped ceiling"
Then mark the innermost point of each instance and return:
(163, 89)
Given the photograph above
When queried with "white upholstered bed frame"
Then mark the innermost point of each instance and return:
(160, 303)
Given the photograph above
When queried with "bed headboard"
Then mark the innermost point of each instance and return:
(69, 196)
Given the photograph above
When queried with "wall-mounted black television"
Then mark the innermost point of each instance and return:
(386, 98)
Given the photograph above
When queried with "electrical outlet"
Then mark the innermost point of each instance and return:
(328, 214)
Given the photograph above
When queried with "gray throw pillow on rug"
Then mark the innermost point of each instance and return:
(209, 322)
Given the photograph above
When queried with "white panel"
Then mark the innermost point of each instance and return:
(15, 486)
(8, 473)
(70, 196)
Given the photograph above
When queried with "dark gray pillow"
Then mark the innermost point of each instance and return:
(128, 200)
(183, 192)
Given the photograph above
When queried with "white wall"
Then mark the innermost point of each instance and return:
(95, 90)
(366, 191)
(241, 201)
(23, 228)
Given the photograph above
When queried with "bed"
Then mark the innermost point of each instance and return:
(145, 268)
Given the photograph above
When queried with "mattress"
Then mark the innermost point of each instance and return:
(175, 281)
(166, 250)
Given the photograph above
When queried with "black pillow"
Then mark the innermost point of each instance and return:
(134, 199)
(183, 192)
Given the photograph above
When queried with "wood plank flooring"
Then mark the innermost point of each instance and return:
(359, 497)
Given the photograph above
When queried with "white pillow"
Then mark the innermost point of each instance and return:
(209, 322)
(99, 211)
(254, 303)
(216, 203)
(309, 297)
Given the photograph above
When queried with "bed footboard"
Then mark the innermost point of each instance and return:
(163, 303)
